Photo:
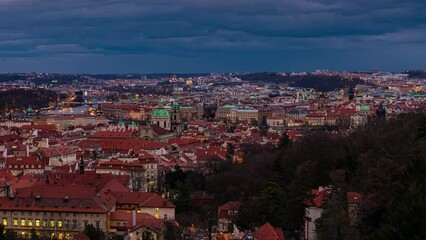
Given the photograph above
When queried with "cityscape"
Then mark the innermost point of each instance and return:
(212, 120)
(168, 156)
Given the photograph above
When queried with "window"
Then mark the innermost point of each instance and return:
(52, 223)
(118, 224)
(22, 222)
(30, 213)
(74, 224)
(98, 224)
(22, 213)
(156, 215)
(44, 222)
(37, 223)
(59, 223)
(165, 216)
(15, 222)
(4, 221)
(30, 223)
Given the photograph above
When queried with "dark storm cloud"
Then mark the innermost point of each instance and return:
(196, 35)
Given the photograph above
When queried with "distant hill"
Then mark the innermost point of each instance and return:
(20, 99)
(318, 82)
(416, 73)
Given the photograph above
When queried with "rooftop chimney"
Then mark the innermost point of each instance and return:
(28, 150)
(134, 217)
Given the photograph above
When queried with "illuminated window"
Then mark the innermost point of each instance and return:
(4, 221)
(15, 222)
(52, 223)
(44, 223)
(30, 223)
(156, 215)
(23, 222)
(37, 223)
(60, 223)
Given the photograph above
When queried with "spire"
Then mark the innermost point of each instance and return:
(381, 111)
(120, 120)
(264, 126)
(160, 103)
(81, 165)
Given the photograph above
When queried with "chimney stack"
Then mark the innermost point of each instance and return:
(28, 150)
(134, 217)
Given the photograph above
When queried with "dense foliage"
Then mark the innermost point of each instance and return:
(384, 161)
(17, 100)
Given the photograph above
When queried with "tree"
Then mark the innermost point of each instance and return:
(2, 235)
(147, 235)
(93, 233)
(10, 235)
(172, 231)
(34, 235)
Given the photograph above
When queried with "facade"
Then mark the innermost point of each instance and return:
(224, 113)
(225, 216)
(246, 115)
(24, 165)
(58, 155)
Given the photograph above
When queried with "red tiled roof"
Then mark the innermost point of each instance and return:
(142, 219)
(269, 232)
(23, 163)
(354, 198)
(125, 145)
(56, 151)
(113, 134)
(143, 199)
(225, 208)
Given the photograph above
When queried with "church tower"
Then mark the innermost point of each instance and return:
(176, 118)
(81, 165)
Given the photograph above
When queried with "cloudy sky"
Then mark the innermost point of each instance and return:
(105, 36)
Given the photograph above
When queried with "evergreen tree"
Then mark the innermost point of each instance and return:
(93, 233)
(34, 235)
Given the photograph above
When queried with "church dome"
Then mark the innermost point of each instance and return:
(160, 112)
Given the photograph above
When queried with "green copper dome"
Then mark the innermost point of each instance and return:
(160, 112)
(30, 110)
(365, 108)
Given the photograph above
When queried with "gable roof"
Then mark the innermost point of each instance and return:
(269, 232)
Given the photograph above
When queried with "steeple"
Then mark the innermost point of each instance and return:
(381, 111)
(264, 126)
(81, 165)
(120, 120)
(175, 106)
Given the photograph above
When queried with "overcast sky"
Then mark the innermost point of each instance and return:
(107, 36)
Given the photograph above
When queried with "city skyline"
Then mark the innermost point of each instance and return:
(199, 36)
